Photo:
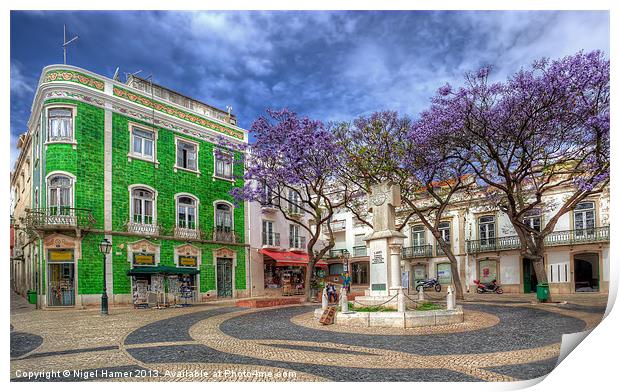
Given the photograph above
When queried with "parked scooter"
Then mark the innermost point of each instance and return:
(492, 287)
(429, 283)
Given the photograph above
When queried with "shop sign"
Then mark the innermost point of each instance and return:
(61, 255)
(144, 259)
(188, 261)
(488, 271)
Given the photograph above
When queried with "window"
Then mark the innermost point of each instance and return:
(266, 195)
(36, 197)
(223, 165)
(532, 218)
(293, 204)
(223, 217)
(335, 268)
(295, 241)
(60, 124)
(584, 218)
(142, 143)
(444, 230)
(142, 201)
(269, 237)
(59, 192)
(187, 155)
(417, 236)
(186, 212)
(486, 230)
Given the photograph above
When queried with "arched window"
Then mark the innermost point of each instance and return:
(187, 212)
(223, 217)
(59, 194)
(142, 202)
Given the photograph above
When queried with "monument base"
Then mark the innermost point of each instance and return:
(408, 319)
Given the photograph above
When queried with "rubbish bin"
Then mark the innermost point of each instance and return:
(32, 297)
(542, 292)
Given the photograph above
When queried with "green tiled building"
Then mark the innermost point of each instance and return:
(144, 167)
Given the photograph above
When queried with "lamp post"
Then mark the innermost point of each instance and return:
(104, 247)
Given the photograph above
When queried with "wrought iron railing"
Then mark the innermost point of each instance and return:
(297, 242)
(359, 251)
(412, 252)
(556, 238)
(59, 217)
(143, 228)
(271, 239)
(224, 235)
(338, 253)
(186, 232)
(439, 251)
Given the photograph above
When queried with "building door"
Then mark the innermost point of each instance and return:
(360, 273)
(224, 277)
(529, 277)
(61, 289)
(586, 272)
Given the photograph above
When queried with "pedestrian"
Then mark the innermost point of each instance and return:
(331, 291)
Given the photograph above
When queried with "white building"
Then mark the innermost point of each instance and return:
(487, 247)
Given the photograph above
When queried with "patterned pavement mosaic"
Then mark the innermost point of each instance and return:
(499, 341)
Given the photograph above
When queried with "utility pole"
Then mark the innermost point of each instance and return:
(65, 43)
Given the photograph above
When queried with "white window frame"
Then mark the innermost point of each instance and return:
(48, 139)
(582, 212)
(294, 239)
(443, 230)
(176, 155)
(272, 238)
(488, 240)
(413, 235)
(232, 165)
(149, 188)
(294, 204)
(531, 215)
(71, 177)
(196, 206)
(134, 155)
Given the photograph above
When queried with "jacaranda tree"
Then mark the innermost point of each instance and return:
(543, 130)
(386, 147)
(291, 165)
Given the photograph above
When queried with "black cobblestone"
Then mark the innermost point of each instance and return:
(197, 353)
(174, 329)
(519, 328)
(527, 371)
(23, 343)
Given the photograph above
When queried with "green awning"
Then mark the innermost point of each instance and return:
(162, 269)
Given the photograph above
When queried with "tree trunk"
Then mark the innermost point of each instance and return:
(308, 278)
(456, 277)
(538, 262)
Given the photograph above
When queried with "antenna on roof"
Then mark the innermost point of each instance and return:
(229, 109)
(115, 77)
(65, 43)
(127, 74)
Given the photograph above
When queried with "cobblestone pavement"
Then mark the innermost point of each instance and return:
(502, 339)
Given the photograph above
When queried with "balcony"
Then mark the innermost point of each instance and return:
(146, 229)
(338, 225)
(297, 243)
(415, 252)
(59, 218)
(338, 253)
(186, 233)
(556, 238)
(268, 206)
(271, 240)
(224, 234)
(360, 251)
(439, 252)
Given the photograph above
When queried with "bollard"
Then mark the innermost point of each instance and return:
(401, 300)
(324, 299)
(450, 298)
(421, 294)
(344, 301)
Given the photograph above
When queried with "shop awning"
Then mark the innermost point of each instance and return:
(162, 269)
(290, 258)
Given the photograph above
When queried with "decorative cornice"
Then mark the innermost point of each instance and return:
(73, 76)
(172, 111)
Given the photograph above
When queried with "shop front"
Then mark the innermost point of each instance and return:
(61, 253)
(161, 286)
(285, 272)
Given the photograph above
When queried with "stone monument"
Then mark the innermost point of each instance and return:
(385, 245)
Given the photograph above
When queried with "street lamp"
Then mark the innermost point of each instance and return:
(104, 247)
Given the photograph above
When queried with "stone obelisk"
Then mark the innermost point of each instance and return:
(384, 244)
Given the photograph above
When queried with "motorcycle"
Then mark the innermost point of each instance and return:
(492, 287)
(427, 284)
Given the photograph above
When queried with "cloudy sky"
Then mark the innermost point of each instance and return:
(329, 65)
